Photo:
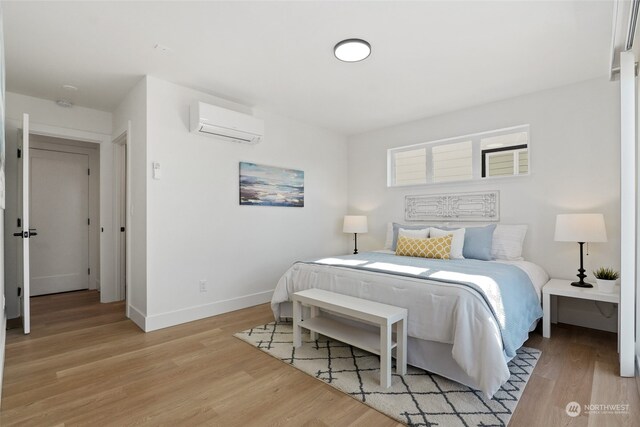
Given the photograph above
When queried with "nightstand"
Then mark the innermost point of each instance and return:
(563, 288)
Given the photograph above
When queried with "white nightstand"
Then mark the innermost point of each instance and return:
(561, 287)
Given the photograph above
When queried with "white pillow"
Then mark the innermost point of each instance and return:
(413, 234)
(507, 242)
(457, 242)
(388, 243)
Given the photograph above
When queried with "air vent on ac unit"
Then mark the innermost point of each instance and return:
(218, 122)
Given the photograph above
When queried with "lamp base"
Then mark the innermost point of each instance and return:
(582, 284)
(355, 245)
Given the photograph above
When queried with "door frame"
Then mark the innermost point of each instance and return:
(108, 291)
(121, 142)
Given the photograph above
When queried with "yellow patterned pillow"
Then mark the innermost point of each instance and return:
(436, 247)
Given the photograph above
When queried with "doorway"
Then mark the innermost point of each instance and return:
(64, 199)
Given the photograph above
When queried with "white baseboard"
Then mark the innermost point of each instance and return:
(137, 317)
(172, 318)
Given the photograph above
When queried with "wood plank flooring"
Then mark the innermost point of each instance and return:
(86, 364)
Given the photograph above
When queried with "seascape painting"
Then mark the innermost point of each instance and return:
(271, 186)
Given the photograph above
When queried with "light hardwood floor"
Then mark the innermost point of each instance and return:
(86, 364)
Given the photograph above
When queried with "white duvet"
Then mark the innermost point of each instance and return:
(447, 313)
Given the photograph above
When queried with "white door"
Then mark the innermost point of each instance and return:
(60, 213)
(25, 233)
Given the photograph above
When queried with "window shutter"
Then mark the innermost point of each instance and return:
(453, 162)
(410, 167)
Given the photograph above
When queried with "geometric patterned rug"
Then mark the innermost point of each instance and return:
(419, 398)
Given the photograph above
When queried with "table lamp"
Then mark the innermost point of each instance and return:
(355, 224)
(580, 228)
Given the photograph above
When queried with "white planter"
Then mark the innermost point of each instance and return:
(606, 285)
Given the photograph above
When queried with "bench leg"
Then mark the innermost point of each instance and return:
(401, 348)
(297, 330)
(315, 311)
(385, 356)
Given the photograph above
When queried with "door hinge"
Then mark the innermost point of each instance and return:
(19, 223)
(88, 171)
(88, 271)
(122, 229)
(88, 221)
(19, 153)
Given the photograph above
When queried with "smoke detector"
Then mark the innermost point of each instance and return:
(64, 103)
(65, 96)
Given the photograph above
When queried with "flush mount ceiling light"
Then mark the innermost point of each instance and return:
(352, 50)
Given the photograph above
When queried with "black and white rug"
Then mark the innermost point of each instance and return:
(417, 399)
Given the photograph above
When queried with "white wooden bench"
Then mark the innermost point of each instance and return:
(383, 315)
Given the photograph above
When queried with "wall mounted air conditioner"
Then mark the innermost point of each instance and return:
(218, 122)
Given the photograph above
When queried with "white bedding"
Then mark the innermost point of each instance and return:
(445, 313)
(539, 277)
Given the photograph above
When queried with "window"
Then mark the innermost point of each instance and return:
(505, 155)
(410, 166)
(505, 162)
(498, 153)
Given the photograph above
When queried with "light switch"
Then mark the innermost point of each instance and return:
(156, 170)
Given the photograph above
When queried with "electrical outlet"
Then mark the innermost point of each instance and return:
(203, 286)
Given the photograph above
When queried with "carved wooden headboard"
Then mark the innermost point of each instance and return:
(477, 206)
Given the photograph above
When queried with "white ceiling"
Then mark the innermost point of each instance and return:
(427, 57)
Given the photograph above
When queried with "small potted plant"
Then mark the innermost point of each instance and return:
(606, 278)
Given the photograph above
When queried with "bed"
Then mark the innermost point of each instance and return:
(466, 317)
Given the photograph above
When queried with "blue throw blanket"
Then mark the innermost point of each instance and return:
(507, 290)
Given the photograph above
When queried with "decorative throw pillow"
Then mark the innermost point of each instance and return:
(436, 247)
(507, 242)
(457, 242)
(423, 233)
(478, 242)
(397, 227)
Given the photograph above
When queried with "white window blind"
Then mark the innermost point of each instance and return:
(453, 162)
(410, 167)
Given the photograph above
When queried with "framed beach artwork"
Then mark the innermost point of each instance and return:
(271, 186)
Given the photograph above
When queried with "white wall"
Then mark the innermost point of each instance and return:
(44, 113)
(133, 112)
(3, 317)
(196, 228)
(575, 133)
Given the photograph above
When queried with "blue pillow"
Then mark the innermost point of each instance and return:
(478, 242)
(397, 227)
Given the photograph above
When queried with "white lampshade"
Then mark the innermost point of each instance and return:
(580, 228)
(355, 224)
